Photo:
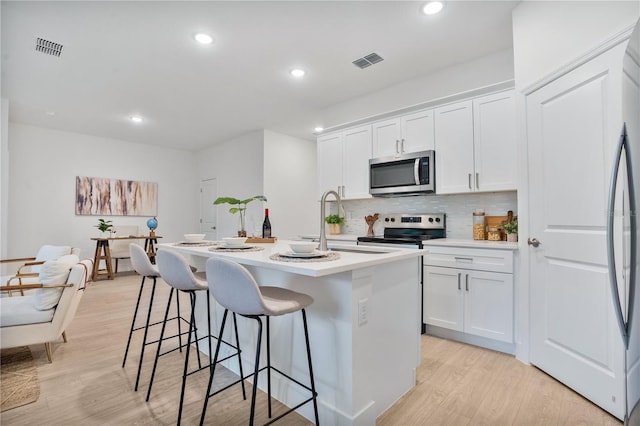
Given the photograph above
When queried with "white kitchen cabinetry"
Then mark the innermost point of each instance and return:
(470, 291)
(343, 162)
(476, 146)
(400, 135)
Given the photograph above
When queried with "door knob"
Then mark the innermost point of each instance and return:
(533, 242)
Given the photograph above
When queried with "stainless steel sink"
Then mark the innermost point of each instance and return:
(360, 250)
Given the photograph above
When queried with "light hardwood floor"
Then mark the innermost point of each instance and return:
(457, 384)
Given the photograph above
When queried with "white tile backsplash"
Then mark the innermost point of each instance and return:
(458, 208)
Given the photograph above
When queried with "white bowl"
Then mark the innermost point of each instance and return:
(303, 246)
(194, 238)
(234, 241)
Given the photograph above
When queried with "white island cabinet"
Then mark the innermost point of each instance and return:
(364, 327)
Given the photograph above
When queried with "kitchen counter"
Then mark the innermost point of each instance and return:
(351, 259)
(455, 242)
(364, 327)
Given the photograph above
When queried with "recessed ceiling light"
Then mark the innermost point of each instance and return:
(203, 38)
(136, 119)
(318, 129)
(297, 72)
(432, 7)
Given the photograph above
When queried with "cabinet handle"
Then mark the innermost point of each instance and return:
(470, 187)
(402, 145)
(477, 180)
(466, 282)
(459, 274)
(397, 146)
(468, 259)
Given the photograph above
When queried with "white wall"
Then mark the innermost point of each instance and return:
(237, 166)
(550, 34)
(481, 72)
(4, 176)
(289, 180)
(44, 165)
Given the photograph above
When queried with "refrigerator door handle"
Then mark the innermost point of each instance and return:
(613, 278)
(632, 280)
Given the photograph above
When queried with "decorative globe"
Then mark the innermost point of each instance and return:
(152, 224)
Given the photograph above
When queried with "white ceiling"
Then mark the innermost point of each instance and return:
(126, 58)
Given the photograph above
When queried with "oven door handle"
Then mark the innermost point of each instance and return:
(391, 245)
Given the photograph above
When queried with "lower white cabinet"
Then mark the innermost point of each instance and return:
(470, 297)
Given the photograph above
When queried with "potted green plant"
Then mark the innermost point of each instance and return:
(239, 206)
(104, 225)
(334, 221)
(511, 229)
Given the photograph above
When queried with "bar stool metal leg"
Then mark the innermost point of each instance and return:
(313, 383)
(146, 331)
(133, 321)
(256, 370)
(164, 325)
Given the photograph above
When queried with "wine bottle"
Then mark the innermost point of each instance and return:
(266, 225)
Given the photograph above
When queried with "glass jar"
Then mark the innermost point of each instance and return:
(493, 234)
(479, 228)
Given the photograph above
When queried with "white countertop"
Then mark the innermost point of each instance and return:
(455, 242)
(348, 260)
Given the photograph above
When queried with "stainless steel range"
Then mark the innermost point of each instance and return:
(410, 231)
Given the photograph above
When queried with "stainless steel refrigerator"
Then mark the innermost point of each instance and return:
(622, 228)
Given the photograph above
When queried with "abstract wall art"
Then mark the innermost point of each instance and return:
(116, 197)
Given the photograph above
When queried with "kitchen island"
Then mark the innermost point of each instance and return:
(364, 326)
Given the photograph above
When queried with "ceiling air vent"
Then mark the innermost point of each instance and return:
(48, 47)
(368, 60)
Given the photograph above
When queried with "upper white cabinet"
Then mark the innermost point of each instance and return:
(409, 133)
(343, 162)
(476, 146)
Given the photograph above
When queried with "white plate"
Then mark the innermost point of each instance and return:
(194, 242)
(237, 246)
(304, 255)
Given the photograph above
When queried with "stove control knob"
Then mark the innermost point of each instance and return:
(393, 219)
(431, 220)
(386, 219)
(438, 219)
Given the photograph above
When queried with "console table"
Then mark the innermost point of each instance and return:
(103, 253)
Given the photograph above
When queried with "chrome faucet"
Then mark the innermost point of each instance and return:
(323, 237)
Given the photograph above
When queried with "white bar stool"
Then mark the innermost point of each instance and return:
(143, 266)
(176, 272)
(233, 287)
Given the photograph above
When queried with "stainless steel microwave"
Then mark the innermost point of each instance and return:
(406, 174)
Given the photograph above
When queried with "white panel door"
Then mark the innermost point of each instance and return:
(355, 167)
(494, 141)
(571, 132)
(329, 163)
(488, 305)
(454, 148)
(386, 138)
(443, 303)
(418, 131)
(208, 212)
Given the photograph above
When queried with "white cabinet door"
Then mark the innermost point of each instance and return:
(454, 148)
(355, 162)
(418, 131)
(488, 305)
(409, 133)
(494, 141)
(443, 303)
(329, 163)
(386, 138)
(573, 124)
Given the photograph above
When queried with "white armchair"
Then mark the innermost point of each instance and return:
(44, 316)
(26, 269)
